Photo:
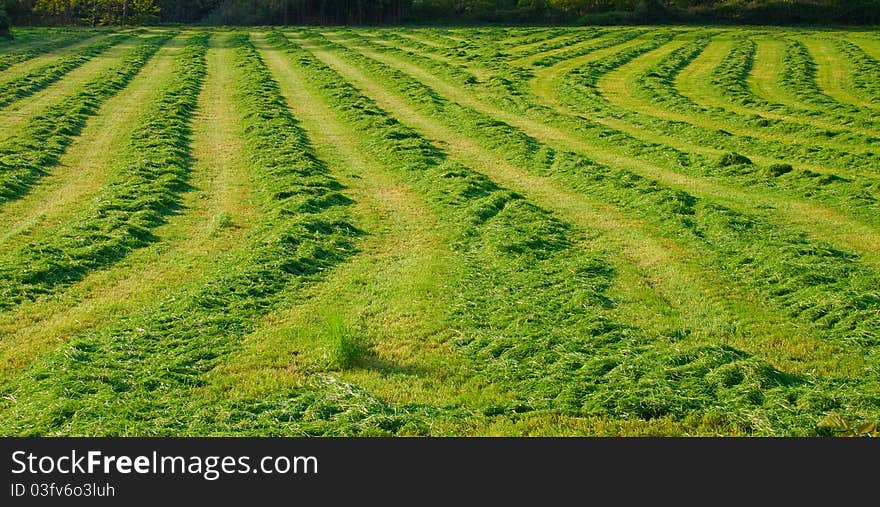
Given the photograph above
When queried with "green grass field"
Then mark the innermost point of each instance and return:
(439, 231)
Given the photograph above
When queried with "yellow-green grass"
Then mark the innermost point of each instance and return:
(693, 83)
(832, 71)
(22, 68)
(392, 291)
(620, 85)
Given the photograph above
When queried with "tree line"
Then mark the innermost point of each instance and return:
(247, 12)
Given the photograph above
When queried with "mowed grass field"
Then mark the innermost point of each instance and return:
(468, 231)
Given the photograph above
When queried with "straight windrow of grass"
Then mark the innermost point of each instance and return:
(85, 165)
(43, 76)
(378, 319)
(26, 155)
(865, 77)
(143, 191)
(15, 115)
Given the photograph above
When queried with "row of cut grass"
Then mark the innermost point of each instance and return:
(590, 89)
(866, 76)
(40, 42)
(513, 350)
(730, 79)
(657, 85)
(856, 196)
(215, 213)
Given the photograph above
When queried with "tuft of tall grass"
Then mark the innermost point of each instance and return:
(345, 344)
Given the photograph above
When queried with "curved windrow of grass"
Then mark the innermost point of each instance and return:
(605, 40)
(853, 195)
(866, 76)
(579, 90)
(149, 175)
(26, 155)
(533, 313)
(657, 85)
(730, 78)
(798, 78)
(556, 44)
(136, 375)
(48, 43)
(768, 256)
(43, 76)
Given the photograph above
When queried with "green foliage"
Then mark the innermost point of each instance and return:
(99, 12)
(5, 22)
(592, 12)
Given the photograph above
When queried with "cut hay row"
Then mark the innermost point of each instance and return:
(764, 123)
(45, 75)
(35, 147)
(556, 45)
(588, 90)
(865, 78)
(214, 216)
(730, 79)
(798, 77)
(149, 175)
